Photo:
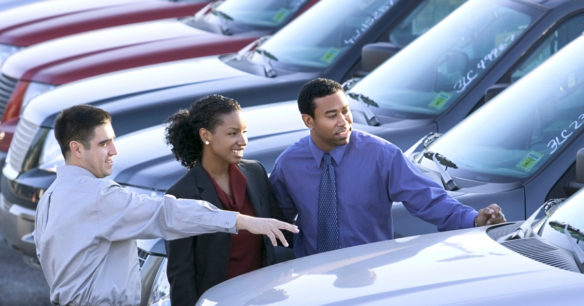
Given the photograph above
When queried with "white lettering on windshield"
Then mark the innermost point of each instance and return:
(367, 23)
(490, 57)
(557, 141)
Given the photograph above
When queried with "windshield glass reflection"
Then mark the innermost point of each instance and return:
(325, 32)
(237, 16)
(426, 78)
(525, 126)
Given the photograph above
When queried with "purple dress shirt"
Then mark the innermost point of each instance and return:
(371, 174)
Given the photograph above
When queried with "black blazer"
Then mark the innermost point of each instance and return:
(197, 263)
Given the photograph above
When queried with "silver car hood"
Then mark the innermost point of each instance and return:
(463, 267)
(129, 82)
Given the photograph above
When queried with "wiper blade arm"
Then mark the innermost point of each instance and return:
(221, 14)
(571, 233)
(369, 115)
(267, 58)
(443, 160)
(447, 181)
(224, 20)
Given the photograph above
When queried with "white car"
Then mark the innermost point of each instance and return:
(535, 262)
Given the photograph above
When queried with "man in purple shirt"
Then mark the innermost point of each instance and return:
(370, 174)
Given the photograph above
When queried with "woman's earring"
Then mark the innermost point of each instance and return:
(206, 142)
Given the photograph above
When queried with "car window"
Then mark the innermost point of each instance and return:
(265, 13)
(427, 14)
(424, 79)
(307, 42)
(554, 41)
(506, 141)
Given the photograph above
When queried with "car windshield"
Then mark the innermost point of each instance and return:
(524, 127)
(424, 17)
(325, 32)
(425, 79)
(236, 16)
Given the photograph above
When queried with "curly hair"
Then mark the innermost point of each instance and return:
(317, 88)
(182, 132)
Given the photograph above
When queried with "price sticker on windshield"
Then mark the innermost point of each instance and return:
(330, 55)
(529, 161)
(281, 15)
(440, 101)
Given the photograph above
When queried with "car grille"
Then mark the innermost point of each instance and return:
(23, 136)
(538, 250)
(7, 85)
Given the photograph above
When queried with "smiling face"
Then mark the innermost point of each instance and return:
(228, 139)
(98, 157)
(332, 123)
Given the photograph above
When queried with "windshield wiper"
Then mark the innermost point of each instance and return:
(571, 233)
(224, 20)
(526, 228)
(447, 180)
(267, 59)
(369, 115)
(221, 14)
(248, 51)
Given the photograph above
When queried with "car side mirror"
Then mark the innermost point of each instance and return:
(494, 90)
(578, 182)
(372, 55)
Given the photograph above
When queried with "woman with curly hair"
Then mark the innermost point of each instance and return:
(209, 140)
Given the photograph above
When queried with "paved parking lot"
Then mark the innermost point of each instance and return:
(20, 283)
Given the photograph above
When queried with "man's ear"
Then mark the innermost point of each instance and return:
(75, 148)
(308, 120)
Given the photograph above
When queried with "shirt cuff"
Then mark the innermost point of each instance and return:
(470, 222)
(228, 219)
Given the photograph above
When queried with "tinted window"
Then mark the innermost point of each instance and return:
(425, 78)
(525, 126)
(554, 41)
(427, 14)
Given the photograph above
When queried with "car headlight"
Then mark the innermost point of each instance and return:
(34, 90)
(160, 294)
(51, 156)
(6, 51)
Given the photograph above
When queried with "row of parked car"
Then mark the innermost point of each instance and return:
(425, 75)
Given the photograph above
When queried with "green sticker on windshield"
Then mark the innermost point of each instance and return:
(281, 15)
(529, 161)
(330, 55)
(440, 100)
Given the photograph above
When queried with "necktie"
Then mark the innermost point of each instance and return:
(328, 226)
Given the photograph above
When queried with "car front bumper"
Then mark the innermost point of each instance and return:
(16, 222)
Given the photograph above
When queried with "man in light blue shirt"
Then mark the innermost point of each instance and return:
(370, 174)
(86, 224)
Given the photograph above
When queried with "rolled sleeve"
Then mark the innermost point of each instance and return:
(424, 198)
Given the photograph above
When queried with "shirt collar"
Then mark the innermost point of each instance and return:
(70, 170)
(337, 153)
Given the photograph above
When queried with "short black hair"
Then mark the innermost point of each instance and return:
(77, 123)
(317, 88)
(182, 132)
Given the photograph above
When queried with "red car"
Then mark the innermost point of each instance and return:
(221, 27)
(37, 22)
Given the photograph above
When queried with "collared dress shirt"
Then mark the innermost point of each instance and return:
(85, 229)
(371, 174)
